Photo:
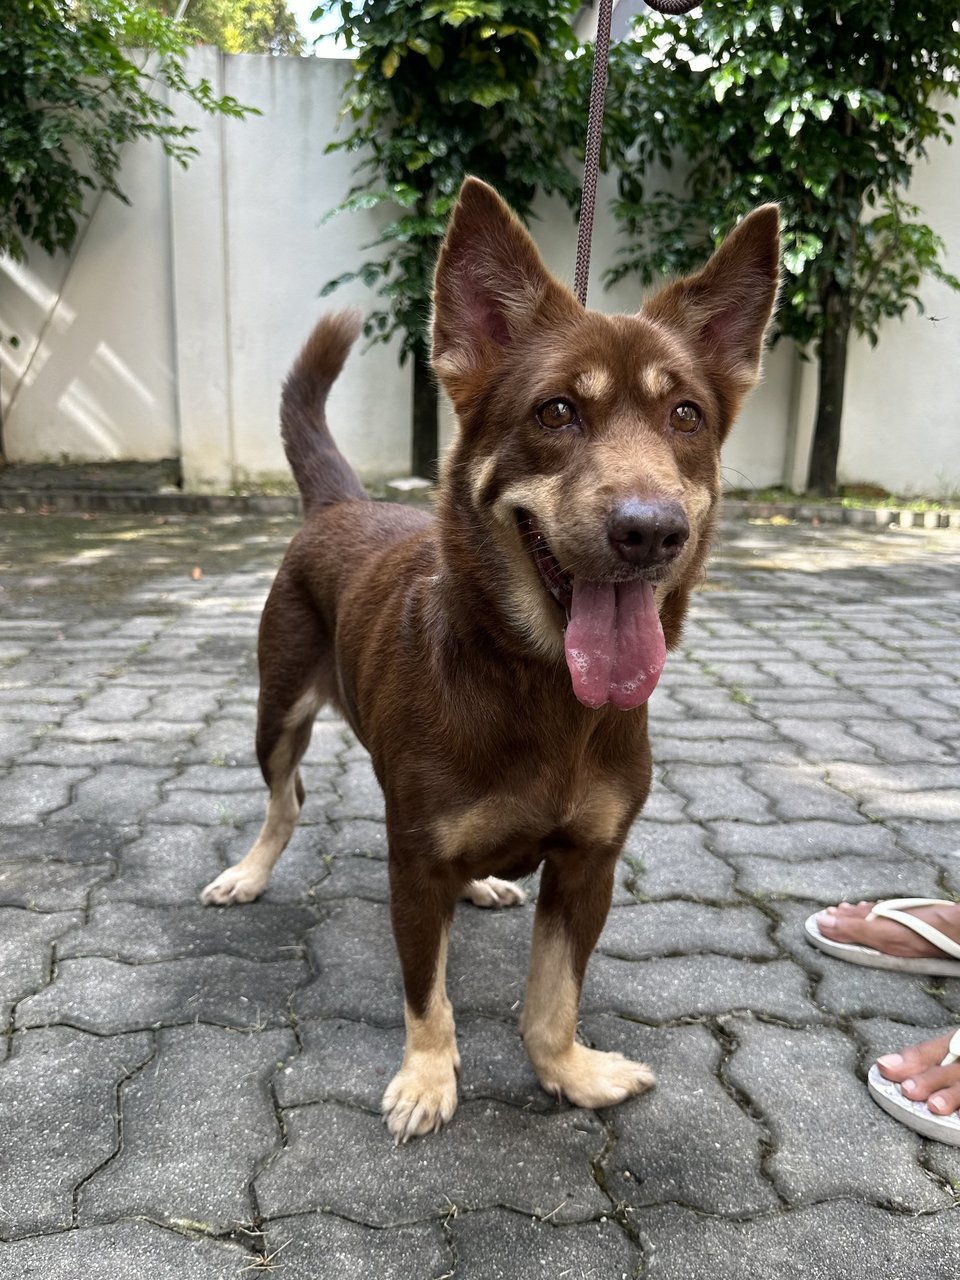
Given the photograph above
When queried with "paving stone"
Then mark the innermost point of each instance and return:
(933, 806)
(690, 986)
(29, 794)
(838, 879)
(863, 782)
(197, 1124)
(40, 884)
(58, 1091)
(670, 859)
(819, 1242)
(824, 741)
(89, 842)
(363, 836)
(169, 864)
(498, 1245)
(116, 793)
(687, 1140)
(149, 751)
(895, 742)
(25, 938)
(800, 841)
(123, 1251)
(190, 706)
(803, 1083)
(717, 792)
(718, 751)
(106, 996)
(360, 877)
(326, 1246)
(490, 1155)
(358, 973)
(222, 779)
(800, 791)
(135, 933)
(116, 702)
(875, 992)
(227, 736)
(209, 809)
(674, 928)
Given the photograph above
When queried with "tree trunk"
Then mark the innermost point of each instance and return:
(426, 417)
(822, 480)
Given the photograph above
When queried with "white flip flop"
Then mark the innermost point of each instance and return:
(917, 1115)
(947, 966)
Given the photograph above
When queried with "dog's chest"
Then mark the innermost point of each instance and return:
(594, 811)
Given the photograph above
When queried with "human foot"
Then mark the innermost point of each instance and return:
(920, 935)
(853, 922)
(921, 1087)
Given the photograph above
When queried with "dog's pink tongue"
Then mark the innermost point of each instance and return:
(614, 643)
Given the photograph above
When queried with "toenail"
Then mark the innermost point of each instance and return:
(937, 1103)
(891, 1060)
(908, 1084)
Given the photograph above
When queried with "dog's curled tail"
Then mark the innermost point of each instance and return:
(322, 473)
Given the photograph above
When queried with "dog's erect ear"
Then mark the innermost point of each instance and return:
(490, 284)
(726, 307)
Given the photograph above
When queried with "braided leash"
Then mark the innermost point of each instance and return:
(591, 160)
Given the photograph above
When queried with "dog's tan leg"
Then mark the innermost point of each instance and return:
(491, 892)
(291, 693)
(575, 895)
(422, 1096)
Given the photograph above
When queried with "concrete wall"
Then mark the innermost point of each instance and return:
(169, 330)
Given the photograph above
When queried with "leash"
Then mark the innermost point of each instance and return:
(591, 159)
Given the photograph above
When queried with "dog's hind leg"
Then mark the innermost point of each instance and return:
(295, 681)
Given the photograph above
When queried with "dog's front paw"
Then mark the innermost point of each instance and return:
(589, 1078)
(236, 884)
(492, 892)
(421, 1097)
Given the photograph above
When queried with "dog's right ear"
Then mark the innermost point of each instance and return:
(490, 285)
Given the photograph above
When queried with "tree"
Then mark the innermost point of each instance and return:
(71, 96)
(441, 90)
(240, 26)
(824, 108)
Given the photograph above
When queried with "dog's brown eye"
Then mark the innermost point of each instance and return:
(686, 417)
(557, 413)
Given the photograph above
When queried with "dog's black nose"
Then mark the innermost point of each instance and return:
(647, 533)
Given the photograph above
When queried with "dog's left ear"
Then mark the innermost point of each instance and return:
(490, 285)
(726, 307)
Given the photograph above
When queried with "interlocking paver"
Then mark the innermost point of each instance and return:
(58, 1090)
(197, 1123)
(107, 997)
(688, 1141)
(490, 1244)
(840, 1238)
(495, 1154)
(196, 1091)
(787, 1073)
(124, 1250)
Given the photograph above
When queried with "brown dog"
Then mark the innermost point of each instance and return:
(496, 661)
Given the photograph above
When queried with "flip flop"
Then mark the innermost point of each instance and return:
(917, 1115)
(894, 909)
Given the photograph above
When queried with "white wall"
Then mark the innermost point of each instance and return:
(170, 330)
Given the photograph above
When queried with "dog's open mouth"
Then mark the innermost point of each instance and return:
(557, 583)
(613, 640)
